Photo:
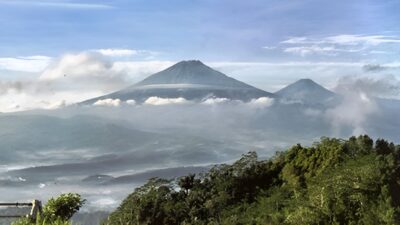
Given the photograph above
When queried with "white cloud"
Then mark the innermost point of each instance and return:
(25, 64)
(72, 77)
(383, 86)
(108, 102)
(213, 101)
(345, 39)
(93, 71)
(307, 50)
(102, 202)
(353, 112)
(380, 52)
(269, 47)
(262, 102)
(56, 105)
(84, 71)
(27, 99)
(117, 52)
(315, 49)
(131, 102)
(358, 103)
(165, 101)
(77, 66)
(361, 39)
(333, 45)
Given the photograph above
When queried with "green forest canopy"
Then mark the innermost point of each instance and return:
(335, 181)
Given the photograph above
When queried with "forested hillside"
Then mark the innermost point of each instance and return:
(334, 181)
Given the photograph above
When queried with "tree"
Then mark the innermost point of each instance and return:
(186, 182)
(63, 207)
(334, 181)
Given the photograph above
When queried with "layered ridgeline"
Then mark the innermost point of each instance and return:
(335, 181)
(191, 80)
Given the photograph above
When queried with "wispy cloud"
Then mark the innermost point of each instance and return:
(25, 64)
(117, 52)
(122, 52)
(345, 39)
(338, 44)
(315, 49)
(59, 4)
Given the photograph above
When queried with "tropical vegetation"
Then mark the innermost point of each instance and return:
(334, 181)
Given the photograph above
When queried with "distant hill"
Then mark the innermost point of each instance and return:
(306, 91)
(191, 80)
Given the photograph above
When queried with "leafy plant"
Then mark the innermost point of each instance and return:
(63, 207)
(57, 211)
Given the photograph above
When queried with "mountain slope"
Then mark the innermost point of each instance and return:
(191, 80)
(306, 91)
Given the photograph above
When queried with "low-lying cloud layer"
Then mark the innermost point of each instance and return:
(359, 101)
(108, 102)
(261, 102)
(165, 101)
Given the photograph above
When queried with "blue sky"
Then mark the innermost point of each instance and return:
(110, 44)
(229, 30)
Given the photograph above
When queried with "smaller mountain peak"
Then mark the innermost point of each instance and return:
(303, 84)
(306, 90)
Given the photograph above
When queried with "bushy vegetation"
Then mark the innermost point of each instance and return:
(57, 211)
(335, 181)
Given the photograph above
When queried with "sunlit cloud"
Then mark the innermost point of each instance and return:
(108, 102)
(165, 101)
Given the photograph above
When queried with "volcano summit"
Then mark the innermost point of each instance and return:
(191, 80)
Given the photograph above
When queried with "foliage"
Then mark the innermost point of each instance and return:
(63, 207)
(40, 221)
(335, 181)
(57, 211)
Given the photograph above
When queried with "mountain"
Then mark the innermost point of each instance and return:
(191, 80)
(306, 91)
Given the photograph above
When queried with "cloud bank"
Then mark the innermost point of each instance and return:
(108, 102)
(165, 101)
(359, 101)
